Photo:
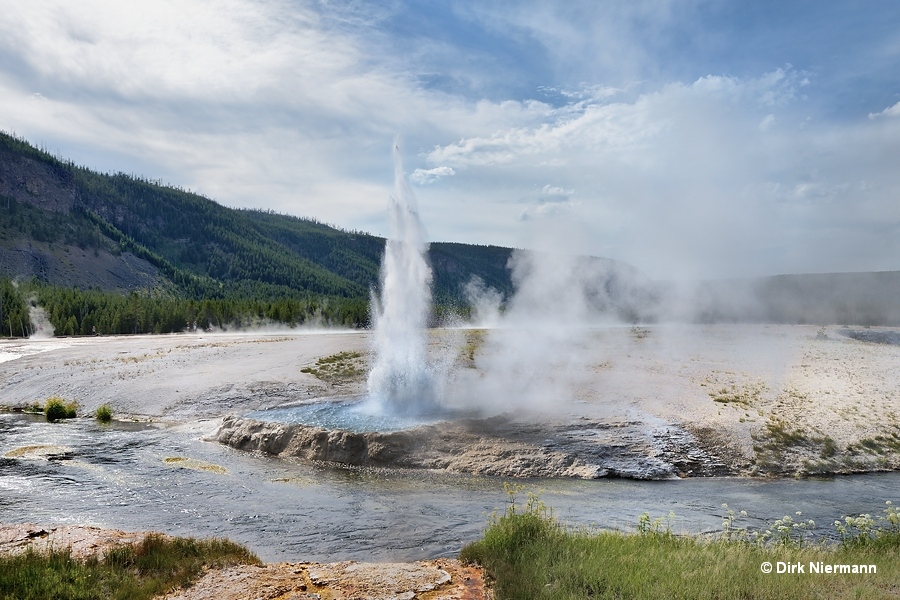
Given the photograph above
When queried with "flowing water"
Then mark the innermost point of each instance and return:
(118, 476)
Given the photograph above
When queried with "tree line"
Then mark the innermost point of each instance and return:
(87, 312)
(14, 321)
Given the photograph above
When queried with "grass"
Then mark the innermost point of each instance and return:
(338, 368)
(528, 554)
(103, 413)
(56, 408)
(780, 439)
(879, 444)
(639, 333)
(473, 342)
(135, 572)
(744, 396)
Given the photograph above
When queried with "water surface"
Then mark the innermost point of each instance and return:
(118, 476)
(359, 415)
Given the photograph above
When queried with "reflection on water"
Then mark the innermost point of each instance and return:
(117, 476)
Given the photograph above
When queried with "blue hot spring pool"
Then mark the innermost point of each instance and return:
(356, 414)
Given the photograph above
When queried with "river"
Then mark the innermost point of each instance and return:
(143, 477)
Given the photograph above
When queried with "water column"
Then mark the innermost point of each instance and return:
(400, 382)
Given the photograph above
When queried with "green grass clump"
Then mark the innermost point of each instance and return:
(338, 368)
(103, 413)
(528, 554)
(781, 444)
(133, 572)
(880, 444)
(57, 408)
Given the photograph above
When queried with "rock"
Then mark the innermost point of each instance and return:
(496, 447)
(440, 579)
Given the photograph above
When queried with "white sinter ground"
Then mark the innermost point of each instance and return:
(726, 384)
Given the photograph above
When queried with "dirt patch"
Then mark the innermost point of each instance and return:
(82, 540)
(40, 452)
(182, 462)
(439, 579)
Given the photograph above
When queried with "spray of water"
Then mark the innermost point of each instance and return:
(42, 328)
(401, 381)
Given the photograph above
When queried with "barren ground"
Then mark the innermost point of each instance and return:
(647, 403)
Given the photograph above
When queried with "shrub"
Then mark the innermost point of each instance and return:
(103, 413)
(865, 530)
(71, 410)
(57, 408)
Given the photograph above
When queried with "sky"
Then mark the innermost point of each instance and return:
(692, 138)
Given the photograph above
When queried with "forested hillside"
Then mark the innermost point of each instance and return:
(125, 254)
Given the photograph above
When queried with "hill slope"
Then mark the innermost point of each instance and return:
(69, 226)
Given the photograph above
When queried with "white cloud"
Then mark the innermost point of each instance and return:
(584, 38)
(252, 103)
(160, 48)
(426, 176)
(891, 111)
(552, 210)
(555, 192)
(695, 180)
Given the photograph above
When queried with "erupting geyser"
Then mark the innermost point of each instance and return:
(402, 386)
(401, 382)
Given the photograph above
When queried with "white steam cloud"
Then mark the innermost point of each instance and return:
(42, 327)
(538, 349)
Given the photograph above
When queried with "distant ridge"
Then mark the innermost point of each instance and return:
(871, 298)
